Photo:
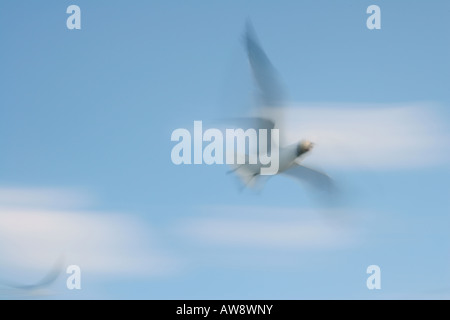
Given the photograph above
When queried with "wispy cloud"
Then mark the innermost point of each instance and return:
(43, 197)
(269, 235)
(99, 242)
(271, 228)
(372, 136)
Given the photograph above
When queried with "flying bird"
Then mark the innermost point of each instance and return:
(270, 99)
(37, 288)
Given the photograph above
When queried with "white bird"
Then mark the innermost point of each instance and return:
(270, 98)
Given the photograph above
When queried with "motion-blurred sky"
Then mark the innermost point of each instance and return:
(85, 171)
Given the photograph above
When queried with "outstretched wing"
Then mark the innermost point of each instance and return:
(270, 90)
(270, 94)
(316, 179)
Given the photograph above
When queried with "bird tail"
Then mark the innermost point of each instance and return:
(247, 174)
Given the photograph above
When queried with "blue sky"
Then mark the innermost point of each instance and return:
(85, 123)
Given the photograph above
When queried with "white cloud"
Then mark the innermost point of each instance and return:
(42, 197)
(286, 235)
(373, 136)
(271, 228)
(99, 242)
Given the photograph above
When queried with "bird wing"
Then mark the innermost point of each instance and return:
(316, 179)
(271, 93)
(46, 281)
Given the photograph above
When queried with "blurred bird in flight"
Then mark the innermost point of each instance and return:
(270, 100)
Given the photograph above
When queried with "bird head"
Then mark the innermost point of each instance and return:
(303, 147)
